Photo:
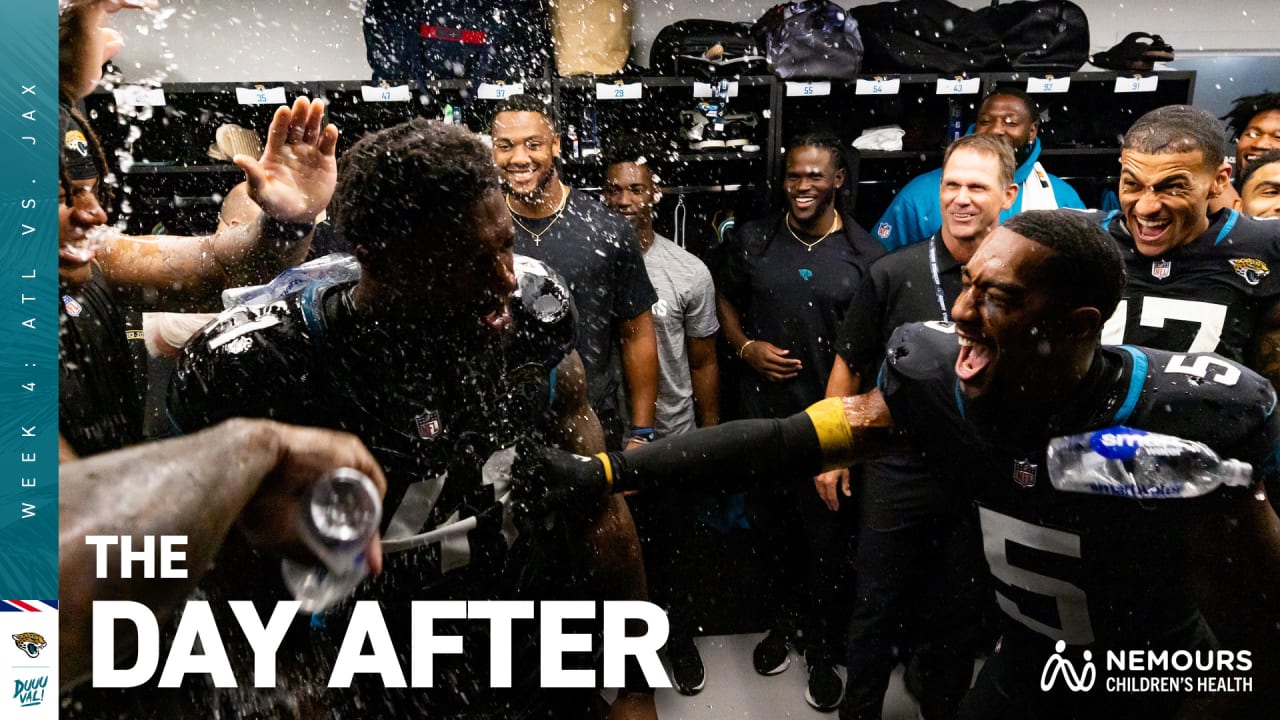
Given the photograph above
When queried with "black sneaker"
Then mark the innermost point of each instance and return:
(687, 672)
(773, 654)
(826, 689)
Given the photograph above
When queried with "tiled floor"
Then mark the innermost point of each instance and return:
(734, 690)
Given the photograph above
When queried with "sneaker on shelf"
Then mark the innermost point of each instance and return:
(738, 129)
(692, 124)
(712, 139)
(773, 653)
(687, 671)
(826, 689)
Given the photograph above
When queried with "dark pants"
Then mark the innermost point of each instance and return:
(804, 550)
(671, 538)
(919, 587)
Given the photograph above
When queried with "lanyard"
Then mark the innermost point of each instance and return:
(937, 281)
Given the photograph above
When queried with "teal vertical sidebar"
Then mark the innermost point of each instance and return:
(29, 300)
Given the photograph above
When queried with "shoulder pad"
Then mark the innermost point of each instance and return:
(1204, 396)
(544, 308)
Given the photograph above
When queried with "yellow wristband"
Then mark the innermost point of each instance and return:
(835, 437)
(744, 348)
(608, 471)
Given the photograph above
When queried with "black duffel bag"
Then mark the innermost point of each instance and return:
(810, 39)
(681, 48)
(932, 36)
(1040, 36)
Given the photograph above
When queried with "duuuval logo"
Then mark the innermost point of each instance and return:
(1057, 665)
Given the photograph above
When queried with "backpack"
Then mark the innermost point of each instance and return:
(1046, 36)
(810, 39)
(421, 40)
(932, 36)
(680, 49)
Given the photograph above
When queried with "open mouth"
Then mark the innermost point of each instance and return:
(498, 318)
(521, 177)
(83, 245)
(973, 360)
(805, 202)
(963, 217)
(1150, 231)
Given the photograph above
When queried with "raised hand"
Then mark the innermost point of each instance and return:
(294, 179)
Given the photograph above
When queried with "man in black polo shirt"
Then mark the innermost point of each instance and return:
(916, 555)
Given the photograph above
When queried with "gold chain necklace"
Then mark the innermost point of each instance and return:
(809, 246)
(537, 236)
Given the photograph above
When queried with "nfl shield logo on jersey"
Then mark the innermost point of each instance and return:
(73, 306)
(429, 425)
(883, 230)
(1160, 269)
(1024, 473)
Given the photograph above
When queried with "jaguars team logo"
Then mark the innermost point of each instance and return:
(1251, 269)
(74, 140)
(30, 643)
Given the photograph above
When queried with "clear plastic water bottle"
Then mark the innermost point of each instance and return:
(338, 267)
(337, 522)
(1127, 462)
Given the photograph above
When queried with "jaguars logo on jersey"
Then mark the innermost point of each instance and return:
(1251, 269)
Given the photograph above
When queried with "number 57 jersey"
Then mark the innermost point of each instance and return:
(1088, 570)
(1209, 295)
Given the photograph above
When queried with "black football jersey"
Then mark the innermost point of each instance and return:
(100, 371)
(1205, 296)
(441, 419)
(433, 411)
(1084, 569)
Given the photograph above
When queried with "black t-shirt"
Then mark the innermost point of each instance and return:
(899, 288)
(100, 380)
(595, 250)
(1094, 571)
(794, 297)
(434, 413)
(1206, 296)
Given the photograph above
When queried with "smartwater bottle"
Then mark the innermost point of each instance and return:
(338, 267)
(1128, 462)
(336, 522)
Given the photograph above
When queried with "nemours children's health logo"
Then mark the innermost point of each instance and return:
(1145, 671)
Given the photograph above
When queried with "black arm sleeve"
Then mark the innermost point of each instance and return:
(726, 456)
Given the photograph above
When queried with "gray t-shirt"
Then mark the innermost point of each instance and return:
(686, 307)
